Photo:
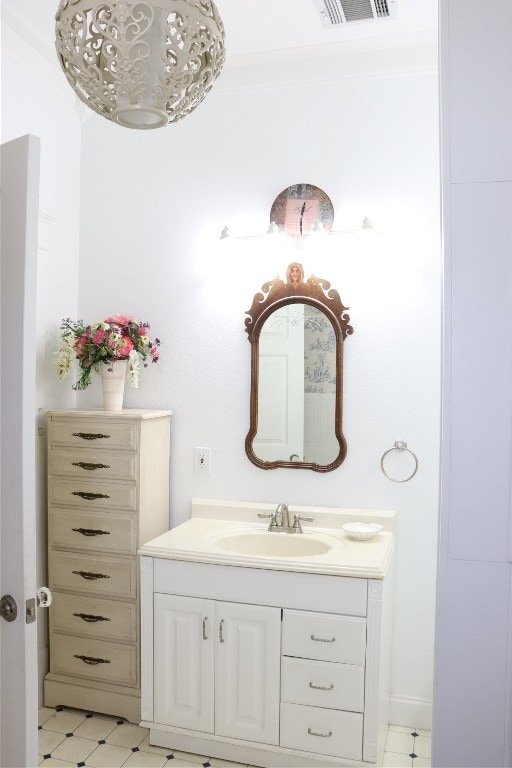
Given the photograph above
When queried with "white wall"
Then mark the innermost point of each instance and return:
(152, 208)
(473, 714)
(36, 100)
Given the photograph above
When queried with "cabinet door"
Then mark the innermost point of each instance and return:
(247, 679)
(184, 659)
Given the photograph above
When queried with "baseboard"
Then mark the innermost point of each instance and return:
(42, 669)
(411, 712)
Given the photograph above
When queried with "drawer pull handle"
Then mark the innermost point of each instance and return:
(91, 576)
(90, 618)
(322, 735)
(90, 496)
(323, 639)
(91, 660)
(90, 435)
(205, 636)
(91, 531)
(89, 466)
(321, 687)
(221, 631)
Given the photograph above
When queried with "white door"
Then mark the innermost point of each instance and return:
(184, 662)
(247, 672)
(280, 433)
(18, 640)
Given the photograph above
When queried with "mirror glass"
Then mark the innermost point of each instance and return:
(297, 330)
(297, 387)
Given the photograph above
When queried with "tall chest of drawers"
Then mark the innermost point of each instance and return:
(108, 493)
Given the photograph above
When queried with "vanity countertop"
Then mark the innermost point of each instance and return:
(230, 533)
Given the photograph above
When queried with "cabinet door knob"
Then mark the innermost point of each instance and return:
(205, 636)
(90, 435)
(90, 617)
(321, 687)
(89, 465)
(90, 496)
(322, 735)
(91, 659)
(323, 639)
(91, 576)
(221, 631)
(91, 531)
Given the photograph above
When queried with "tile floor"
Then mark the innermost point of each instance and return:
(71, 737)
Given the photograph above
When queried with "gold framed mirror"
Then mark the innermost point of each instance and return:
(297, 329)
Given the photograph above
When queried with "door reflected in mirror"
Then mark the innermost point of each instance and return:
(297, 331)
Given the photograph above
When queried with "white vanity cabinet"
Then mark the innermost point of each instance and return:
(267, 667)
(216, 667)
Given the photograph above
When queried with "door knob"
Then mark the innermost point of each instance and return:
(8, 608)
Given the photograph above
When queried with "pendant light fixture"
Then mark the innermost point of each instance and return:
(142, 64)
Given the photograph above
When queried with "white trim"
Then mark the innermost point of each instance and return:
(411, 711)
(42, 668)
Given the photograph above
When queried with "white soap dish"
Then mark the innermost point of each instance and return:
(362, 531)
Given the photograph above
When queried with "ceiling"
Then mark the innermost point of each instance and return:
(270, 26)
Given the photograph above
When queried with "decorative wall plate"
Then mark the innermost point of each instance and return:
(296, 209)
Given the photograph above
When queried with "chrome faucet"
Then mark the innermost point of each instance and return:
(280, 520)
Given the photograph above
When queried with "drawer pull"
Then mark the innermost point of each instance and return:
(323, 639)
(91, 660)
(90, 618)
(91, 531)
(89, 466)
(205, 636)
(221, 631)
(90, 435)
(321, 687)
(322, 735)
(90, 496)
(91, 576)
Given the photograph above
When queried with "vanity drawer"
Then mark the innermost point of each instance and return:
(99, 532)
(94, 659)
(322, 684)
(93, 575)
(324, 636)
(89, 493)
(91, 464)
(93, 617)
(101, 434)
(325, 731)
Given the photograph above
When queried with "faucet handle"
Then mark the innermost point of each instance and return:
(297, 522)
(272, 516)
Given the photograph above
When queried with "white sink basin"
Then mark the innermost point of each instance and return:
(266, 544)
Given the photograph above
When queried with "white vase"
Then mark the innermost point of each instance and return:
(113, 377)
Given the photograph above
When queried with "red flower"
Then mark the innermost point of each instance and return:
(98, 337)
(125, 347)
(80, 345)
(121, 320)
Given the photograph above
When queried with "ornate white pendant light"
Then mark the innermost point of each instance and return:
(142, 64)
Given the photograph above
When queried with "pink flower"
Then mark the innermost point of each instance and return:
(125, 347)
(98, 337)
(121, 320)
(80, 345)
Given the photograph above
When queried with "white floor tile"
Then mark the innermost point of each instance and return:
(48, 740)
(401, 743)
(422, 732)
(422, 762)
(189, 757)
(145, 760)
(127, 736)
(423, 746)
(180, 762)
(401, 729)
(396, 760)
(108, 755)
(65, 721)
(53, 761)
(95, 728)
(44, 714)
(74, 749)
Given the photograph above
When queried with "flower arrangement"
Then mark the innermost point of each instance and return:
(118, 337)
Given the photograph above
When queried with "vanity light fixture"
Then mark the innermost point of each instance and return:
(140, 63)
(317, 231)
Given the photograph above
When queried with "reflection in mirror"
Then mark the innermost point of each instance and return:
(297, 333)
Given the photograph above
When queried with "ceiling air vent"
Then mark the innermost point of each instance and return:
(335, 12)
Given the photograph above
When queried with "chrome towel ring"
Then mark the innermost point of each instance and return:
(401, 446)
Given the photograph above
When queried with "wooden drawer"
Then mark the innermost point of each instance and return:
(109, 436)
(108, 576)
(322, 684)
(92, 464)
(324, 636)
(89, 493)
(100, 532)
(325, 731)
(94, 659)
(93, 617)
